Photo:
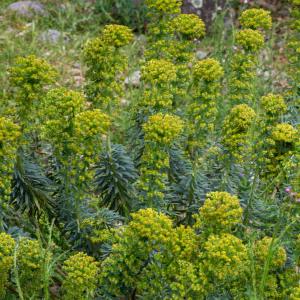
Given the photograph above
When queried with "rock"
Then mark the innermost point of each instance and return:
(52, 36)
(205, 9)
(124, 102)
(27, 8)
(201, 54)
(133, 79)
(197, 3)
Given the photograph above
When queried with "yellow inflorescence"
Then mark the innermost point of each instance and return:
(220, 213)
(9, 134)
(165, 6)
(235, 128)
(208, 70)
(296, 291)
(29, 75)
(159, 71)
(106, 65)
(250, 40)
(58, 112)
(81, 277)
(7, 245)
(117, 35)
(285, 133)
(163, 129)
(256, 18)
(225, 256)
(273, 105)
(189, 25)
(30, 264)
(262, 250)
(89, 128)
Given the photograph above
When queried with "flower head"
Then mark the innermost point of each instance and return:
(165, 6)
(163, 129)
(250, 40)
(284, 132)
(189, 25)
(159, 71)
(273, 105)
(208, 70)
(220, 212)
(81, 276)
(256, 18)
(262, 250)
(225, 257)
(117, 35)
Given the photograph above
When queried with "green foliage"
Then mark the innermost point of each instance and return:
(32, 191)
(114, 179)
(169, 177)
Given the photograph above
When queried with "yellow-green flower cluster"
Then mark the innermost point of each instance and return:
(7, 245)
(9, 134)
(278, 149)
(295, 294)
(81, 277)
(74, 133)
(57, 113)
(89, 128)
(163, 129)
(265, 247)
(219, 213)
(225, 258)
(172, 36)
(273, 105)
(150, 235)
(106, 64)
(190, 26)
(235, 129)
(208, 70)
(294, 48)
(206, 75)
(250, 40)
(30, 266)
(256, 18)
(173, 50)
(29, 76)
(284, 133)
(146, 244)
(117, 35)
(160, 132)
(242, 77)
(158, 76)
(159, 72)
(165, 6)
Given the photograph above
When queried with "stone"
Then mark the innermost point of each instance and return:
(133, 79)
(205, 9)
(27, 8)
(52, 36)
(201, 54)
